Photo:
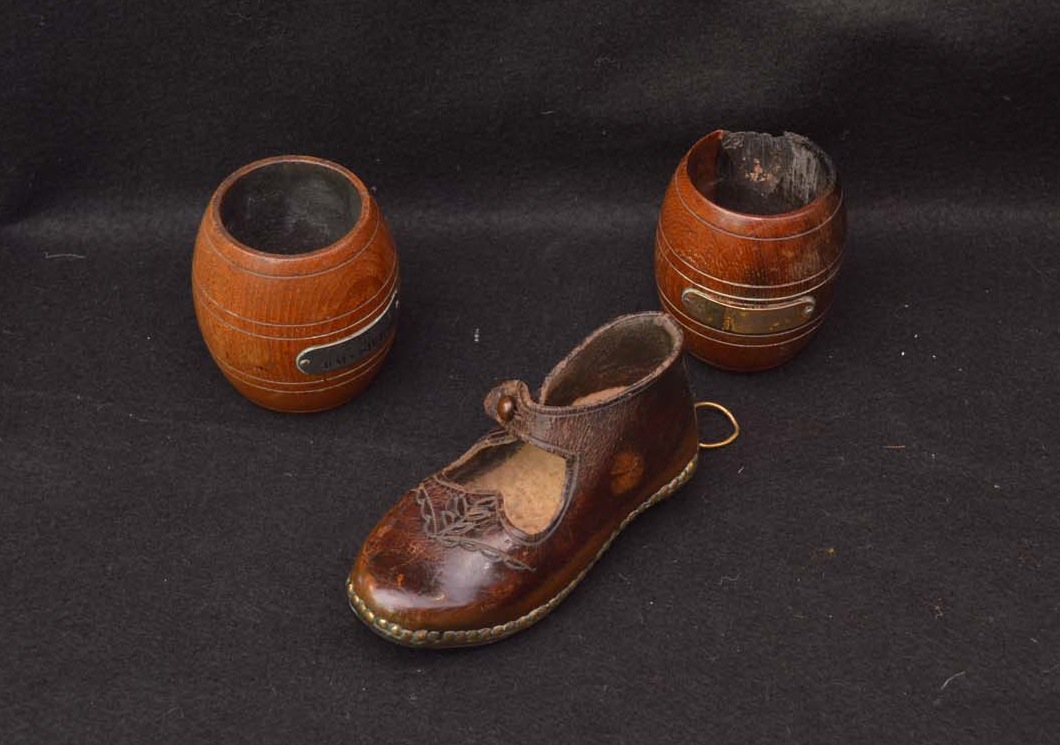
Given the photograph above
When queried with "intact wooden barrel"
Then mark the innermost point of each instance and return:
(748, 247)
(295, 282)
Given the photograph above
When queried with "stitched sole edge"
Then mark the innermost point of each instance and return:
(441, 639)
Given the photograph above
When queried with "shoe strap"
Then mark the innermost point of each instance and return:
(561, 429)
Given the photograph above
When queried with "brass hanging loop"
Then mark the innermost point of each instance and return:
(735, 425)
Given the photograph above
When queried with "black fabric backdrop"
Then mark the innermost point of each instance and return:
(875, 560)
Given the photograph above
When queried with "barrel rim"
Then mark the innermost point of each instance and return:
(828, 202)
(319, 257)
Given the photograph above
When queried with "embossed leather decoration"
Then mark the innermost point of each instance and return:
(446, 566)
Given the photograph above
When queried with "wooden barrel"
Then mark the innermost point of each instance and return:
(295, 281)
(748, 247)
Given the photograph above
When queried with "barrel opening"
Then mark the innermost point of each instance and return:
(290, 207)
(760, 174)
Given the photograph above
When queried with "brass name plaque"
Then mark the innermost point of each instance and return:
(763, 318)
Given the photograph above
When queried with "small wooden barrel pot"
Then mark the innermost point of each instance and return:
(748, 247)
(295, 280)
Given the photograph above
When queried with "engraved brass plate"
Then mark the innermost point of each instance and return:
(325, 358)
(763, 318)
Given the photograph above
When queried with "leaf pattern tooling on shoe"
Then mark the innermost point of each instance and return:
(462, 519)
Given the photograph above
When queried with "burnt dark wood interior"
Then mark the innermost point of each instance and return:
(761, 174)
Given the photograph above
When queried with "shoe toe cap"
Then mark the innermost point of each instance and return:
(398, 591)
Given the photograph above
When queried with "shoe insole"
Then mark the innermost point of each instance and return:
(595, 396)
(531, 480)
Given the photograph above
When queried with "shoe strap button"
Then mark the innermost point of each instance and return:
(505, 408)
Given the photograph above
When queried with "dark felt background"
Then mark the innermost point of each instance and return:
(875, 560)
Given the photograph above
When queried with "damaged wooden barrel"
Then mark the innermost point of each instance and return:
(748, 247)
(295, 283)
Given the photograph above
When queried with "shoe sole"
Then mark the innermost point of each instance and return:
(394, 632)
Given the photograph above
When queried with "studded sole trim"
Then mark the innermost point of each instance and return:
(451, 638)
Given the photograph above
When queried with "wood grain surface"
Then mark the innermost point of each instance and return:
(750, 261)
(258, 310)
